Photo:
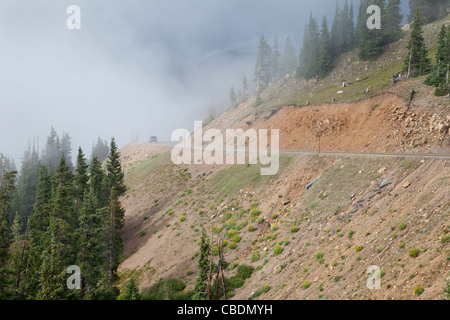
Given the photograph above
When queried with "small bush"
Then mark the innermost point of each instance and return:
(182, 218)
(255, 256)
(293, 229)
(235, 282)
(319, 255)
(401, 245)
(351, 233)
(255, 212)
(265, 288)
(278, 250)
(305, 285)
(413, 252)
(402, 226)
(251, 228)
(232, 245)
(418, 290)
(359, 248)
(143, 233)
(244, 271)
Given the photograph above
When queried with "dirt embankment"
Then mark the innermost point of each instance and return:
(377, 125)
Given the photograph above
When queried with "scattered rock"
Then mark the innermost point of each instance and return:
(384, 182)
(406, 184)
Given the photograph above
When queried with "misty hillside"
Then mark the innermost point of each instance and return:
(314, 243)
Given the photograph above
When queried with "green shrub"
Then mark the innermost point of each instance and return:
(251, 228)
(445, 239)
(413, 252)
(169, 288)
(402, 226)
(235, 282)
(418, 290)
(293, 229)
(244, 271)
(232, 245)
(351, 233)
(305, 285)
(278, 250)
(255, 256)
(359, 248)
(143, 233)
(401, 245)
(319, 255)
(265, 288)
(255, 212)
(182, 218)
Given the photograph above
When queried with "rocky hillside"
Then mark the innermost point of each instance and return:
(316, 243)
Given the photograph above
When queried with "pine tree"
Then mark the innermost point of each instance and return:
(275, 61)
(417, 62)
(232, 98)
(116, 213)
(335, 32)
(439, 73)
(19, 256)
(98, 182)
(289, 63)
(244, 88)
(52, 271)
(200, 288)
(25, 192)
(372, 40)
(91, 242)
(52, 151)
(308, 55)
(81, 179)
(429, 9)
(325, 58)
(66, 150)
(361, 22)
(100, 150)
(131, 290)
(392, 22)
(262, 67)
(6, 187)
(38, 225)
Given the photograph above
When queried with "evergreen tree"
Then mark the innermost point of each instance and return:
(325, 58)
(19, 253)
(116, 213)
(98, 182)
(308, 55)
(244, 87)
(52, 151)
(275, 61)
(66, 150)
(52, 270)
(200, 288)
(345, 35)
(361, 22)
(372, 40)
(417, 62)
(6, 187)
(232, 98)
(91, 242)
(429, 9)
(38, 225)
(335, 32)
(81, 179)
(440, 70)
(262, 68)
(131, 290)
(289, 63)
(100, 150)
(392, 22)
(25, 193)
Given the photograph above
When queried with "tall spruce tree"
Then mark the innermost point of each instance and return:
(393, 19)
(91, 243)
(290, 61)
(308, 56)
(275, 61)
(417, 62)
(325, 57)
(116, 212)
(429, 9)
(439, 73)
(98, 182)
(6, 187)
(200, 287)
(262, 71)
(371, 43)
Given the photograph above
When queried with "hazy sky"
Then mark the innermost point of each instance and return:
(136, 66)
